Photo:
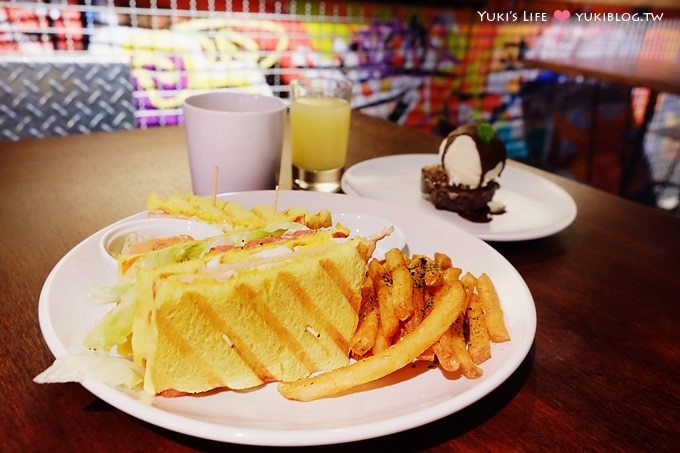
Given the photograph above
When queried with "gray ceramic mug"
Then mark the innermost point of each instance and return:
(234, 141)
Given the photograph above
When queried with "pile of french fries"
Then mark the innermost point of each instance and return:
(418, 308)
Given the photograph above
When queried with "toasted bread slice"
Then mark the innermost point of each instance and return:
(279, 319)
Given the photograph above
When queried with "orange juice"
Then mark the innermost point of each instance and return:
(319, 132)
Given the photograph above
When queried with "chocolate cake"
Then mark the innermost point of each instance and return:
(472, 158)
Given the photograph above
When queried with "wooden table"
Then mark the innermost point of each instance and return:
(660, 76)
(603, 372)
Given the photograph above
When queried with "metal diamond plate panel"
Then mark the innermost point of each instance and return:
(40, 99)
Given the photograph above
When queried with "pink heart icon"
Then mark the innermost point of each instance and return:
(561, 15)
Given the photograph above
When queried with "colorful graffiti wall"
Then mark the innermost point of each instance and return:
(424, 65)
(427, 67)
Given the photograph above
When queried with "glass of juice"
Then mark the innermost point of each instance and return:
(319, 131)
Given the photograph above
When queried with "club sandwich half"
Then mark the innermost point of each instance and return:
(206, 315)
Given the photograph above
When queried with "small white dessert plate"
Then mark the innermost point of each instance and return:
(367, 225)
(115, 236)
(535, 207)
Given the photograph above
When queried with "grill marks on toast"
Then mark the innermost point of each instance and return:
(185, 350)
(240, 345)
(319, 321)
(284, 335)
(335, 274)
(309, 333)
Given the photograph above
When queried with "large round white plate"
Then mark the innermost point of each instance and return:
(535, 207)
(407, 399)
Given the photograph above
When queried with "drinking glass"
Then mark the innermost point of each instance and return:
(319, 120)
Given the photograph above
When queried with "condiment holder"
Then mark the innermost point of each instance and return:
(115, 236)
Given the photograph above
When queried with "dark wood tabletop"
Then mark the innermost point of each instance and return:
(602, 373)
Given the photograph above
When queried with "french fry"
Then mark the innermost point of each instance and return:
(418, 303)
(467, 367)
(442, 260)
(382, 342)
(428, 303)
(417, 263)
(448, 307)
(402, 284)
(382, 283)
(450, 348)
(469, 281)
(445, 351)
(479, 341)
(416, 268)
(364, 337)
(321, 219)
(456, 271)
(365, 249)
(428, 355)
(433, 274)
(492, 309)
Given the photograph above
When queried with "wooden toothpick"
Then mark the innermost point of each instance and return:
(216, 174)
(276, 197)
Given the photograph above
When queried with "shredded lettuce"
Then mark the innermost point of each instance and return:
(111, 294)
(191, 250)
(90, 365)
(174, 254)
(283, 227)
(116, 325)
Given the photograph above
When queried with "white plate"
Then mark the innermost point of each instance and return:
(535, 207)
(366, 225)
(405, 400)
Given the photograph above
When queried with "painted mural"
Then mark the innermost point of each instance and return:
(429, 68)
(426, 67)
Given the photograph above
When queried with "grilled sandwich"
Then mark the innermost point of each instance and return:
(208, 314)
(239, 325)
(227, 312)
